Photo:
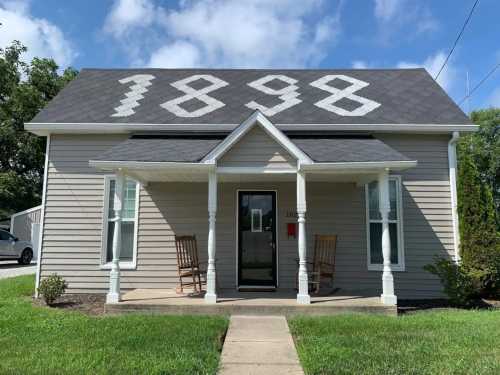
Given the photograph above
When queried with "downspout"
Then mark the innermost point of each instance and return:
(452, 165)
(42, 217)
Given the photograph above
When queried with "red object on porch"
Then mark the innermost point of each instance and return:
(292, 230)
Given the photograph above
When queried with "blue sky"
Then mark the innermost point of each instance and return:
(265, 33)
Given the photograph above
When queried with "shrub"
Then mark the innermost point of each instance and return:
(52, 288)
(478, 203)
(460, 284)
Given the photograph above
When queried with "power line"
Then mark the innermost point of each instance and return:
(456, 40)
(480, 83)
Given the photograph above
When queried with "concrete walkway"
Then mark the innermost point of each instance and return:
(259, 345)
(12, 269)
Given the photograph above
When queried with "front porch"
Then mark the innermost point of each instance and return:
(282, 302)
(258, 159)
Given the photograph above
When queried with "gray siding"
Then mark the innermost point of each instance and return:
(72, 233)
(257, 149)
(73, 214)
(427, 208)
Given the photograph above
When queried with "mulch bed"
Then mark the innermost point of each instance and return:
(90, 304)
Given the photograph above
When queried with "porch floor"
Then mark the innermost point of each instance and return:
(167, 301)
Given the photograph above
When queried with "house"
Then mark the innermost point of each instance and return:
(241, 158)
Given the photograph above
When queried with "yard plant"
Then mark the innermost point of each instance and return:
(51, 288)
(445, 343)
(41, 340)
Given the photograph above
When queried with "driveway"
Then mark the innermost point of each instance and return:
(12, 268)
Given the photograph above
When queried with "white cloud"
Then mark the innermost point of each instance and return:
(254, 33)
(42, 38)
(432, 64)
(175, 55)
(395, 15)
(359, 64)
(128, 14)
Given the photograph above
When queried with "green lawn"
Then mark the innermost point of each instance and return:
(38, 340)
(445, 342)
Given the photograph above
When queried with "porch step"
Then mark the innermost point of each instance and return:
(165, 301)
(253, 310)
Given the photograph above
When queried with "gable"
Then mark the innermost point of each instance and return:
(257, 149)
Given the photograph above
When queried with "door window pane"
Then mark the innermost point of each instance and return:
(256, 220)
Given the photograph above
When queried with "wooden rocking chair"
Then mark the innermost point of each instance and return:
(323, 264)
(188, 265)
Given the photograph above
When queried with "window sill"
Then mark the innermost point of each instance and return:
(123, 266)
(380, 267)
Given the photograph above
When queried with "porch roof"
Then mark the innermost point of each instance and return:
(321, 149)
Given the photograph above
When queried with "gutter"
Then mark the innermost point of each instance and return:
(452, 165)
(42, 217)
(154, 166)
(354, 167)
(42, 129)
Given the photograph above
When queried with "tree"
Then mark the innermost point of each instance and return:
(477, 182)
(486, 152)
(25, 88)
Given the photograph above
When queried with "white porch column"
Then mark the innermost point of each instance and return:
(303, 295)
(211, 296)
(114, 275)
(388, 297)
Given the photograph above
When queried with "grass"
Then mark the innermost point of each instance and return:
(445, 342)
(39, 340)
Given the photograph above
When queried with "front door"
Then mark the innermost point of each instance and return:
(257, 239)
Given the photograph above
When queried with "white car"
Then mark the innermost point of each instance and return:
(11, 248)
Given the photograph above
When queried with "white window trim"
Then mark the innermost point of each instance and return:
(401, 258)
(104, 237)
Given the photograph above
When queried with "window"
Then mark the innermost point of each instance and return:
(374, 225)
(129, 223)
(6, 236)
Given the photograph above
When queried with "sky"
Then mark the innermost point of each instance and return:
(266, 34)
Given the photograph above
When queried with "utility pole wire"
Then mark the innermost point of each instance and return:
(480, 83)
(456, 40)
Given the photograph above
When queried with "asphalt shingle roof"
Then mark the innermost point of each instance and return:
(405, 96)
(160, 149)
(323, 150)
(335, 149)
